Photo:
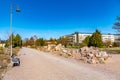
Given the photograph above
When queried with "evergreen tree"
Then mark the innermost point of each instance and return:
(40, 42)
(18, 41)
(96, 39)
(86, 40)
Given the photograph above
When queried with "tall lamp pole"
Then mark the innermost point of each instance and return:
(11, 12)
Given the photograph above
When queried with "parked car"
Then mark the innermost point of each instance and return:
(15, 61)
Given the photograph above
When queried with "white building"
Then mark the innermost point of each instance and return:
(77, 37)
(108, 37)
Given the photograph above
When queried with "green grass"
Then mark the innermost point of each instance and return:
(111, 50)
(76, 47)
(118, 51)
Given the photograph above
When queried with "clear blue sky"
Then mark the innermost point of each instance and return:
(55, 18)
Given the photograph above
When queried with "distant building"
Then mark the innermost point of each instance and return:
(2, 45)
(108, 37)
(78, 37)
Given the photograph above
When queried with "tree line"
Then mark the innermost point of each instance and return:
(16, 41)
(34, 41)
(94, 40)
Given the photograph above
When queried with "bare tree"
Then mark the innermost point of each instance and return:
(116, 25)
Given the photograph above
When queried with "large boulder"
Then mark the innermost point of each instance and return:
(58, 47)
(51, 47)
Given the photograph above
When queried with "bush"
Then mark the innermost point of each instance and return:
(116, 44)
(82, 45)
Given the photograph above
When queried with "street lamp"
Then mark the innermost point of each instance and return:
(11, 12)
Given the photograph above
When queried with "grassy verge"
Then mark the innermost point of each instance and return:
(5, 59)
(114, 51)
(111, 50)
(16, 50)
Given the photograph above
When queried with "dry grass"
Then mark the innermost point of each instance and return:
(5, 59)
(1, 70)
(16, 50)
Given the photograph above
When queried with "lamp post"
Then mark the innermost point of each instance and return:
(11, 12)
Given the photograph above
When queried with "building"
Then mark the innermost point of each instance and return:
(108, 37)
(2, 45)
(78, 37)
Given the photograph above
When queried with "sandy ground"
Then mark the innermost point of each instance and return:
(36, 65)
(112, 65)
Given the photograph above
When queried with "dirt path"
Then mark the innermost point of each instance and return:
(112, 64)
(37, 65)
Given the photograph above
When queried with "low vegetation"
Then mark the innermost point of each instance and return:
(16, 41)
(76, 47)
(115, 50)
(5, 58)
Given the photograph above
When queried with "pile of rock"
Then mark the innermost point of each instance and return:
(53, 47)
(90, 55)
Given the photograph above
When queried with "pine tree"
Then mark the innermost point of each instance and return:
(40, 42)
(18, 41)
(96, 39)
(86, 40)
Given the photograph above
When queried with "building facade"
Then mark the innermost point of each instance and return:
(2, 45)
(78, 37)
(108, 37)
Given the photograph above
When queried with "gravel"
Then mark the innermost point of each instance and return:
(36, 65)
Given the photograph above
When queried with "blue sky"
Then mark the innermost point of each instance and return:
(55, 18)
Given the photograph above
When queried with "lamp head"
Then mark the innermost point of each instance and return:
(18, 10)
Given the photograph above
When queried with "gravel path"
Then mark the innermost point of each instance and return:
(36, 65)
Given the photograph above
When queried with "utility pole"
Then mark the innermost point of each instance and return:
(17, 10)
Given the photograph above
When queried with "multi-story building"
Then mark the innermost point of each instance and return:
(108, 37)
(78, 37)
